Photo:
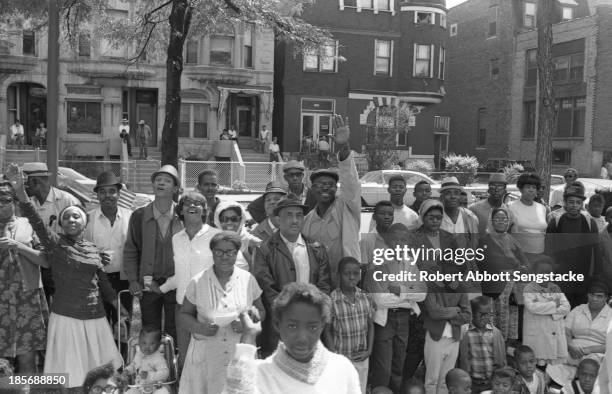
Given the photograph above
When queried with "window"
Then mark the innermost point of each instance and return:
(441, 61)
(561, 156)
(84, 117)
(531, 78)
(402, 138)
(84, 45)
(568, 68)
(570, 117)
(191, 52)
(567, 13)
(322, 60)
(29, 43)
(382, 61)
(530, 120)
(12, 104)
(193, 120)
(453, 30)
(482, 130)
(383, 5)
(492, 21)
(423, 61)
(424, 18)
(247, 48)
(350, 3)
(494, 68)
(443, 21)
(365, 4)
(529, 17)
(221, 51)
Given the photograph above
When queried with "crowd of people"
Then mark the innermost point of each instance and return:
(303, 302)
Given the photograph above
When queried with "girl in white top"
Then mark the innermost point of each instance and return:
(301, 364)
(528, 216)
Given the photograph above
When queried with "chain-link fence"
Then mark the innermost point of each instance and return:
(245, 176)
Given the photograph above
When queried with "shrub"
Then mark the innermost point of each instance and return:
(512, 172)
(464, 167)
(420, 165)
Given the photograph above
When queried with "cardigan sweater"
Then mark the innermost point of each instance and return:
(76, 268)
(146, 251)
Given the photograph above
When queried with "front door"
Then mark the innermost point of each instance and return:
(147, 112)
(315, 125)
(245, 122)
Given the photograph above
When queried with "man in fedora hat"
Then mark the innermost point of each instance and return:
(293, 173)
(288, 256)
(148, 250)
(267, 227)
(48, 201)
(124, 133)
(482, 209)
(107, 228)
(143, 133)
(336, 219)
(572, 240)
(458, 220)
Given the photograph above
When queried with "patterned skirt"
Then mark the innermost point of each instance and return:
(22, 314)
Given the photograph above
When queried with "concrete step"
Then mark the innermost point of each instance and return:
(249, 155)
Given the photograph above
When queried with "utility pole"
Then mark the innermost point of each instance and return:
(546, 93)
(52, 90)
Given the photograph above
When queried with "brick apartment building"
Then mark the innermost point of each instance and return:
(227, 80)
(387, 63)
(492, 92)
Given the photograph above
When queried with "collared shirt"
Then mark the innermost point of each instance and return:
(300, 258)
(411, 291)
(480, 348)
(56, 201)
(109, 237)
(585, 330)
(349, 322)
(338, 229)
(274, 148)
(191, 256)
(163, 219)
(453, 228)
(17, 130)
(401, 214)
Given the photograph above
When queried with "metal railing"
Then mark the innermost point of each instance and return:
(239, 176)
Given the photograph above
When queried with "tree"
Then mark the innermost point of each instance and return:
(174, 22)
(546, 113)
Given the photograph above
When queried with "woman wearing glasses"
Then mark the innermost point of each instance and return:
(213, 301)
(192, 255)
(231, 216)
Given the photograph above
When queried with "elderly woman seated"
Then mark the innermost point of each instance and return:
(585, 329)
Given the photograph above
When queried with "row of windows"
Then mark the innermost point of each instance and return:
(382, 5)
(326, 59)
(221, 49)
(571, 117)
(530, 9)
(566, 68)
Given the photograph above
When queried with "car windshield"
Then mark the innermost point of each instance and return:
(411, 178)
(69, 172)
(372, 177)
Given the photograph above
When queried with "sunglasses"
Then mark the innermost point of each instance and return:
(195, 203)
(232, 219)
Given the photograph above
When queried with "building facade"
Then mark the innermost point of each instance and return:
(227, 81)
(384, 69)
(493, 96)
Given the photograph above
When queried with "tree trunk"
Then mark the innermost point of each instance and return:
(546, 112)
(180, 20)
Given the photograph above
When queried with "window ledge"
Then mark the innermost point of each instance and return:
(481, 148)
(568, 138)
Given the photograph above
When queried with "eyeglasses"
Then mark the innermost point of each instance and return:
(6, 201)
(434, 217)
(227, 253)
(188, 202)
(233, 219)
(104, 390)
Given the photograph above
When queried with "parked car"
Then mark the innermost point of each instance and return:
(498, 165)
(374, 186)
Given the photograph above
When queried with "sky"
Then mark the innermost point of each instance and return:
(452, 3)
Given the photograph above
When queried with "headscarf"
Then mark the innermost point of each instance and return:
(428, 205)
(247, 238)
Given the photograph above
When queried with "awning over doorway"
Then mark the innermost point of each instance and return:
(265, 92)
